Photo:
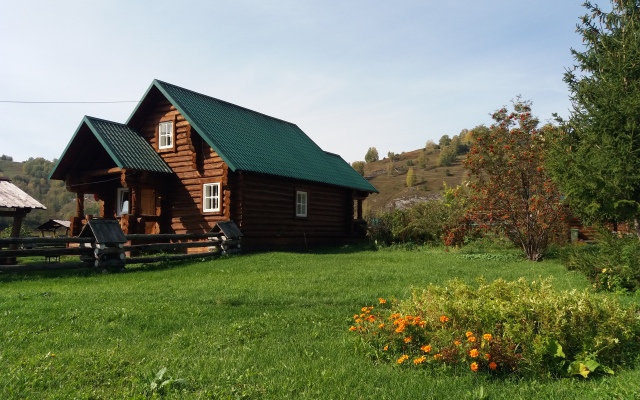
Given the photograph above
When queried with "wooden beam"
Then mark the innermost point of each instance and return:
(99, 172)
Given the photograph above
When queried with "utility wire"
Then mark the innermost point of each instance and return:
(67, 102)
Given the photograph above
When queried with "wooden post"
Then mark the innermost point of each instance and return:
(80, 205)
(359, 208)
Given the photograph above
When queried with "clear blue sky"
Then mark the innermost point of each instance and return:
(351, 74)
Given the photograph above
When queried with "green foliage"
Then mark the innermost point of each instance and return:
(424, 222)
(160, 385)
(372, 155)
(447, 156)
(5, 157)
(422, 159)
(613, 264)
(444, 141)
(430, 146)
(411, 178)
(6, 232)
(358, 166)
(503, 328)
(596, 159)
(60, 203)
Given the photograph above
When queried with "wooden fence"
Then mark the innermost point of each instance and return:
(140, 249)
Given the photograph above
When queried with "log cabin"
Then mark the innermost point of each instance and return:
(184, 161)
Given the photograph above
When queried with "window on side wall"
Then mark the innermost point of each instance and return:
(211, 197)
(165, 135)
(301, 204)
(123, 203)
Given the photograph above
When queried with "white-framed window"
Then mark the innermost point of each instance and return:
(123, 203)
(301, 204)
(211, 197)
(165, 135)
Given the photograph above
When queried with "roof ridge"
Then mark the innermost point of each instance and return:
(105, 120)
(225, 102)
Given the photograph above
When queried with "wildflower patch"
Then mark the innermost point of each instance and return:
(502, 328)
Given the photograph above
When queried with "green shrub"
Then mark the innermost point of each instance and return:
(422, 223)
(503, 328)
(613, 264)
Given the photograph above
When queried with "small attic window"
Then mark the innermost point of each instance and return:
(165, 135)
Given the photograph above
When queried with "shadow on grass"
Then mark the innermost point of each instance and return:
(29, 275)
(25, 275)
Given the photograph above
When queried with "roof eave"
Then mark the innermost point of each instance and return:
(53, 174)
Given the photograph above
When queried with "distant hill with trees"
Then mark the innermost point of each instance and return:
(31, 176)
(435, 167)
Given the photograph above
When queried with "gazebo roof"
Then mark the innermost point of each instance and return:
(12, 196)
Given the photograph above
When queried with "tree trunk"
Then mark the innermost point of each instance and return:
(636, 224)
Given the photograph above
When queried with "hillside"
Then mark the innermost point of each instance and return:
(393, 189)
(31, 176)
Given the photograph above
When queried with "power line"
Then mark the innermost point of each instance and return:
(68, 102)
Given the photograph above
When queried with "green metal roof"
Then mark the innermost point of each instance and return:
(250, 141)
(126, 147)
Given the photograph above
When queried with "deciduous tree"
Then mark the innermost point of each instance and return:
(411, 178)
(372, 155)
(511, 191)
(358, 166)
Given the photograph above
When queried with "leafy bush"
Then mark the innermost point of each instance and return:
(502, 328)
(358, 166)
(422, 223)
(613, 264)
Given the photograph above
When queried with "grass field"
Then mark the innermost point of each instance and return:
(257, 326)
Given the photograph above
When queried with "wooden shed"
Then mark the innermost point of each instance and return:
(53, 225)
(184, 161)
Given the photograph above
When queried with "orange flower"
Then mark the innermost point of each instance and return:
(487, 356)
(400, 328)
(474, 366)
(402, 359)
(385, 348)
(474, 353)
(469, 334)
(426, 348)
(444, 319)
(381, 326)
(487, 337)
(457, 343)
(493, 366)
(437, 356)
(420, 360)
(471, 339)
(382, 301)
(408, 339)
(352, 328)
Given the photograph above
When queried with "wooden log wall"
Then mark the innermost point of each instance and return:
(268, 212)
(194, 163)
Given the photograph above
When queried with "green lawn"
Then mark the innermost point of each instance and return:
(253, 326)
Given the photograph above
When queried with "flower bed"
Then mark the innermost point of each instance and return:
(502, 328)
